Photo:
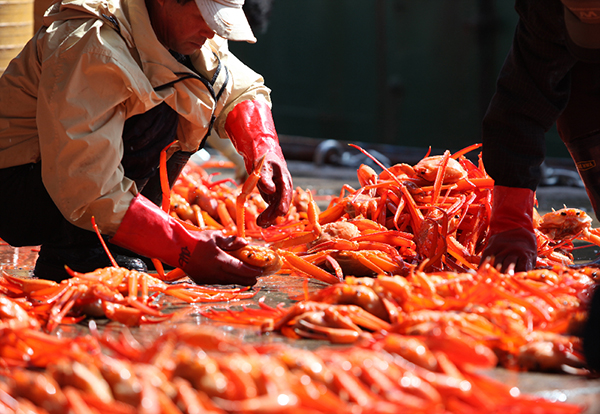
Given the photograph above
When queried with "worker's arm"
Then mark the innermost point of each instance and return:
(532, 90)
(203, 255)
(251, 129)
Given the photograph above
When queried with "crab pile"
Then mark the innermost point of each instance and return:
(190, 369)
(531, 320)
(418, 232)
(399, 259)
(434, 215)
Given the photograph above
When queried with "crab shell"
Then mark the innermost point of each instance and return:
(564, 222)
(259, 256)
(336, 230)
(428, 167)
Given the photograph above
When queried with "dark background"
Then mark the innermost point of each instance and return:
(397, 72)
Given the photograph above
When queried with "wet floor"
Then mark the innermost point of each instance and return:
(17, 260)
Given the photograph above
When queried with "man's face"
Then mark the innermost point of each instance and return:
(179, 27)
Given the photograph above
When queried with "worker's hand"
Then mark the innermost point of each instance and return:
(210, 262)
(511, 239)
(251, 129)
(275, 186)
(516, 247)
(203, 255)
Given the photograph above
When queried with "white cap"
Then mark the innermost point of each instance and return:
(227, 19)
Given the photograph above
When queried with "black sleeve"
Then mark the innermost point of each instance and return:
(532, 91)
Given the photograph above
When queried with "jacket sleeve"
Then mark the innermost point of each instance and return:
(532, 91)
(80, 115)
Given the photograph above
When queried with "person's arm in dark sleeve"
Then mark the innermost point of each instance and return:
(532, 91)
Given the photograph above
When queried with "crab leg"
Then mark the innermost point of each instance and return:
(240, 201)
(305, 267)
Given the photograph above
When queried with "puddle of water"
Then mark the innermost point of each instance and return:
(585, 252)
(17, 260)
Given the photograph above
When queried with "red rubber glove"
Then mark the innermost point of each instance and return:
(511, 237)
(149, 231)
(251, 129)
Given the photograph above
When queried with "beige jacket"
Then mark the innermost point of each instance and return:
(94, 64)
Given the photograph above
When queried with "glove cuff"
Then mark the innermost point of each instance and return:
(149, 231)
(252, 131)
(512, 208)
